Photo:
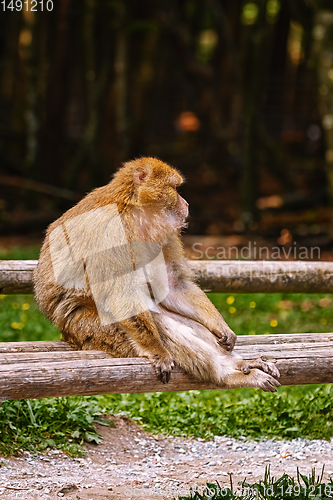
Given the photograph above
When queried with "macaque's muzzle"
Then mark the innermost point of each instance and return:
(182, 206)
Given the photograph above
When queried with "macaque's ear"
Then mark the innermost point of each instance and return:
(140, 174)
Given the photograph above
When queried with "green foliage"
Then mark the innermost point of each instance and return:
(21, 320)
(303, 411)
(20, 253)
(283, 488)
(63, 423)
(290, 313)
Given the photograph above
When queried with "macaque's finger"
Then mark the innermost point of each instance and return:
(270, 368)
(164, 376)
(227, 340)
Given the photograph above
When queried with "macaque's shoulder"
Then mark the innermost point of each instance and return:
(97, 198)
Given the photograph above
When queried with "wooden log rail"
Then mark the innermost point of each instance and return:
(49, 369)
(232, 276)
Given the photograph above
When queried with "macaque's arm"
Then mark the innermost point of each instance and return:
(188, 300)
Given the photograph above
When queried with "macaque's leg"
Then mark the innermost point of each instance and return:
(145, 335)
(137, 336)
(188, 300)
(193, 348)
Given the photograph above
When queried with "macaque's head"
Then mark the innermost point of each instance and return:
(153, 186)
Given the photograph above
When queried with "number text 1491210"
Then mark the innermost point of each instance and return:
(30, 5)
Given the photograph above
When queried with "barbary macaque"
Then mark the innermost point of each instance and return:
(112, 276)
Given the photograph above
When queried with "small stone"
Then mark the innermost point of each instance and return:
(68, 488)
(47, 491)
(61, 495)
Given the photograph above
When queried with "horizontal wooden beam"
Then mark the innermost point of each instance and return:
(231, 276)
(49, 369)
(245, 276)
(16, 276)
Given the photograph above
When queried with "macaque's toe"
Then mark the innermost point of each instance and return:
(163, 366)
(265, 381)
(270, 385)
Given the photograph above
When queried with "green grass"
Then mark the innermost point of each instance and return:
(303, 411)
(20, 253)
(63, 423)
(21, 320)
(275, 312)
(283, 488)
(292, 412)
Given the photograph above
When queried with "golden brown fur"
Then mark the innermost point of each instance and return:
(187, 329)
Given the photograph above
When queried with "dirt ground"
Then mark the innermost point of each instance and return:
(130, 463)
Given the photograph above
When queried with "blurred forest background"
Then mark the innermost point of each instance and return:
(238, 95)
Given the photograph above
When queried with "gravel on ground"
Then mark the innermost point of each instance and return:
(130, 463)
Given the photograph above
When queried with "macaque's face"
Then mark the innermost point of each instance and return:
(157, 185)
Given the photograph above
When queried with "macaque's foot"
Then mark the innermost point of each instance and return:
(258, 373)
(263, 380)
(247, 365)
(227, 339)
(163, 365)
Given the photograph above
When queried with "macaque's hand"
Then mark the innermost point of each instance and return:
(163, 366)
(226, 337)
